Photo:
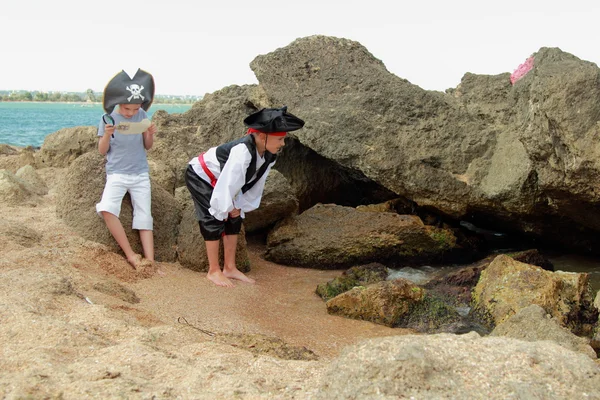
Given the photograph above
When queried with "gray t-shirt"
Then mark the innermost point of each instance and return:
(126, 154)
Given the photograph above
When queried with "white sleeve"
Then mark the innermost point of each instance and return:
(230, 182)
(250, 200)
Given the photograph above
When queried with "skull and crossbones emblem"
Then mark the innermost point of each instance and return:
(136, 91)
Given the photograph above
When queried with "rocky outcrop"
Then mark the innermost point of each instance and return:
(62, 147)
(520, 158)
(456, 286)
(397, 303)
(360, 275)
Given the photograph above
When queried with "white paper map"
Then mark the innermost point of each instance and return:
(130, 128)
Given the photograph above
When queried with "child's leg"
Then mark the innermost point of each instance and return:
(214, 270)
(116, 229)
(147, 239)
(109, 209)
(141, 195)
(229, 268)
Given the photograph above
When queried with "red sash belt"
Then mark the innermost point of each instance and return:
(213, 180)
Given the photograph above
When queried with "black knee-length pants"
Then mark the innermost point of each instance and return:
(210, 227)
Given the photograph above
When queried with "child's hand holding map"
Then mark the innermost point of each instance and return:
(130, 128)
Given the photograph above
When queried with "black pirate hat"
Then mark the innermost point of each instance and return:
(271, 120)
(122, 89)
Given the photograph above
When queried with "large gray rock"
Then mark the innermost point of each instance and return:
(522, 157)
(416, 143)
(396, 303)
(328, 236)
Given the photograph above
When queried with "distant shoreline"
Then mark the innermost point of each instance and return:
(91, 103)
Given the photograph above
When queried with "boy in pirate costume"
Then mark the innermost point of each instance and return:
(125, 134)
(227, 181)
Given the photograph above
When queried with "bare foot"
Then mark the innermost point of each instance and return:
(135, 260)
(219, 279)
(235, 273)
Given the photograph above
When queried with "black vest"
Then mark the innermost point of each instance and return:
(223, 155)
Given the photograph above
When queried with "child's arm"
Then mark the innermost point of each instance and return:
(149, 136)
(229, 183)
(104, 142)
(250, 200)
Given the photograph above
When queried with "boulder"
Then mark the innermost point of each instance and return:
(328, 236)
(507, 285)
(62, 147)
(386, 303)
(521, 157)
(396, 303)
(360, 275)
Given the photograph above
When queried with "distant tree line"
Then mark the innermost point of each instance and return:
(82, 97)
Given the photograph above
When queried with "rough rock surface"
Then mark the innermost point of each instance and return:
(507, 285)
(328, 236)
(14, 190)
(35, 184)
(533, 324)
(459, 367)
(521, 158)
(62, 147)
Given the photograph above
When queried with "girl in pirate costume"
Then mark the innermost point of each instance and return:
(227, 181)
(125, 134)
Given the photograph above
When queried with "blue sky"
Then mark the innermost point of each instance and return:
(195, 48)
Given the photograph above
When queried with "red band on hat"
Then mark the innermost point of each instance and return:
(252, 130)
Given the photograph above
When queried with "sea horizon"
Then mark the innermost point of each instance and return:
(27, 123)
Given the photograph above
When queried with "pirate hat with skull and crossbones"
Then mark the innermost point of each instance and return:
(123, 89)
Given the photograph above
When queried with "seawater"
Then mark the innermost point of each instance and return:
(27, 124)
